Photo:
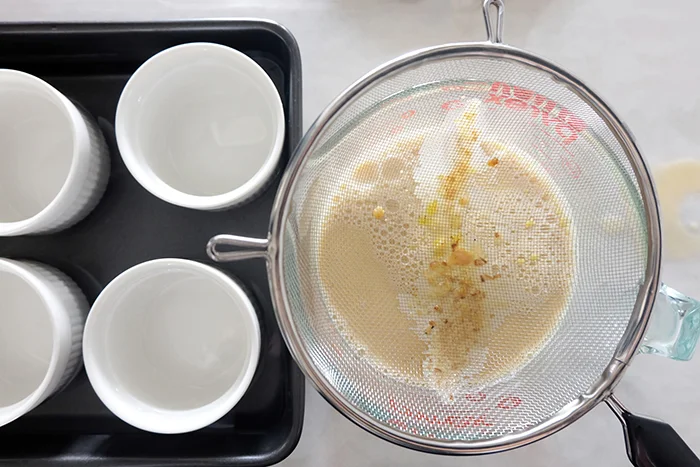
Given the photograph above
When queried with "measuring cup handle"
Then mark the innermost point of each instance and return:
(674, 326)
(251, 248)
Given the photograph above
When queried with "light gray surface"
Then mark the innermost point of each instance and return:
(639, 55)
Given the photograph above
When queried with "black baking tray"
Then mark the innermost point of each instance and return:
(91, 63)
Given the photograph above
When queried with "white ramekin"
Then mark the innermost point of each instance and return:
(171, 345)
(42, 316)
(54, 156)
(201, 126)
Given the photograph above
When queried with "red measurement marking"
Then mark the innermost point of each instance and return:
(565, 123)
(408, 114)
(478, 397)
(453, 104)
(509, 403)
(566, 157)
(396, 129)
(516, 104)
(522, 93)
(402, 425)
(497, 93)
(456, 421)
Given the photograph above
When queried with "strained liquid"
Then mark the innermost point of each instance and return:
(451, 272)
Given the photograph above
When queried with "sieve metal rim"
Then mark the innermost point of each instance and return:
(639, 319)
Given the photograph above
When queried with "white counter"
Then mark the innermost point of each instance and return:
(641, 56)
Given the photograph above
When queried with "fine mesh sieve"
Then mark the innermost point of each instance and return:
(512, 217)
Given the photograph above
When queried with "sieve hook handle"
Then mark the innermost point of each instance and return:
(652, 443)
(494, 33)
(219, 248)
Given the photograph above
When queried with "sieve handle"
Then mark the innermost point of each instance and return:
(494, 33)
(652, 443)
(674, 326)
(219, 248)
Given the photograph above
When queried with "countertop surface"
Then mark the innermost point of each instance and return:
(639, 55)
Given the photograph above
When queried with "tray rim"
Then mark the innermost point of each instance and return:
(294, 117)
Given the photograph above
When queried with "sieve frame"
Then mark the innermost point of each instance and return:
(273, 249)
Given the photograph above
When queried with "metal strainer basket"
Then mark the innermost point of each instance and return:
(604, 226)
